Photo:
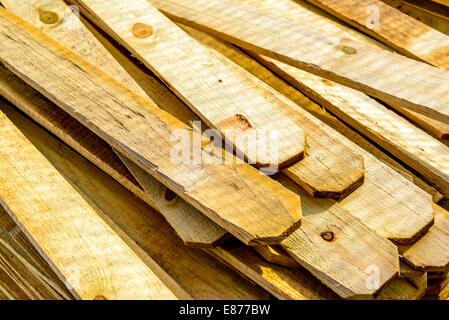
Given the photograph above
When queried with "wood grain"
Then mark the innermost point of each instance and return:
(69, 233)
(142, 132)
(73, 34)
(387, 202)
(431, 252)
(396, 29)
(393, 78)
(215, 91)
(191, 272)
(395, 134)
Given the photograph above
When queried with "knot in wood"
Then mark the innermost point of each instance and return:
(169, 195)
(48, 17)
(142, 31)
(348, 50)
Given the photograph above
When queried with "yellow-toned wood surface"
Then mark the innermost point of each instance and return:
(266, 213)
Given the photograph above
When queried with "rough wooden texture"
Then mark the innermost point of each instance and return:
(432, 14)
(386, 202)
(72, 33)
(192, 226)
(195, 274)
(68, 231)
(393, 78)
(431, 252)
(213, 90)
(395, 134)
(281, 282)
(339, 249)
(253, 207)
(398, 30)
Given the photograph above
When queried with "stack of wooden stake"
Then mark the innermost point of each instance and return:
(103, 103)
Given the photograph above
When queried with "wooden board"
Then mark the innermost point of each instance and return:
(393, 78)
(396, 29)
(193, 273)
(213, 90)
(431, 252)
(52, 213)
(324, 245)
(330, 169)
(395, 134)
(71, 32)
(276, 255)
(142, 132)
(192, 225)
(384, 190)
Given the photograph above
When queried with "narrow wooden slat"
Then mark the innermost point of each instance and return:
(213, 90)
(255, 209)
(406, 210)
(66, 229)
(431, 252)
(73, 34)
(276, 255)
(410, 144)
(283, 283)
(191, 272)
(393, 78)
(197, 228)
(398, 30)
(330, 169)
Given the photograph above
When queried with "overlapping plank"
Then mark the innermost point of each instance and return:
(72, 33)
(400, 31)
(255, 208)
(52, 213)
(431, 252)
(193, 272)
(393, 78)
(276, 255)
(215, 91)
(189, 221)
(410, 144)
(387, 202)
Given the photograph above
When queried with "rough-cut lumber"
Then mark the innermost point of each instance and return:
(432, 14)
(67, 230)
(72, 33)
(197, 274)
(393, 78)
(396, 29)
(276, 255)
(177, 211)
(324, 245)
(213, 90)
(431, 252)
(387, 202)
(253, 207)
(395, 134)
(281, 282)
(324, 178)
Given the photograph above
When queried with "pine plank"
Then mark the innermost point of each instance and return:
(383, 190)
(192, 225)
(72, 33)
(102, 259)
(431, 252)
(213, 90)
(396, 29)
(393, 133)
(330, 169)
(191, 271)
(393, 78)
(141, 131)
(283, 283)
(276, 255)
